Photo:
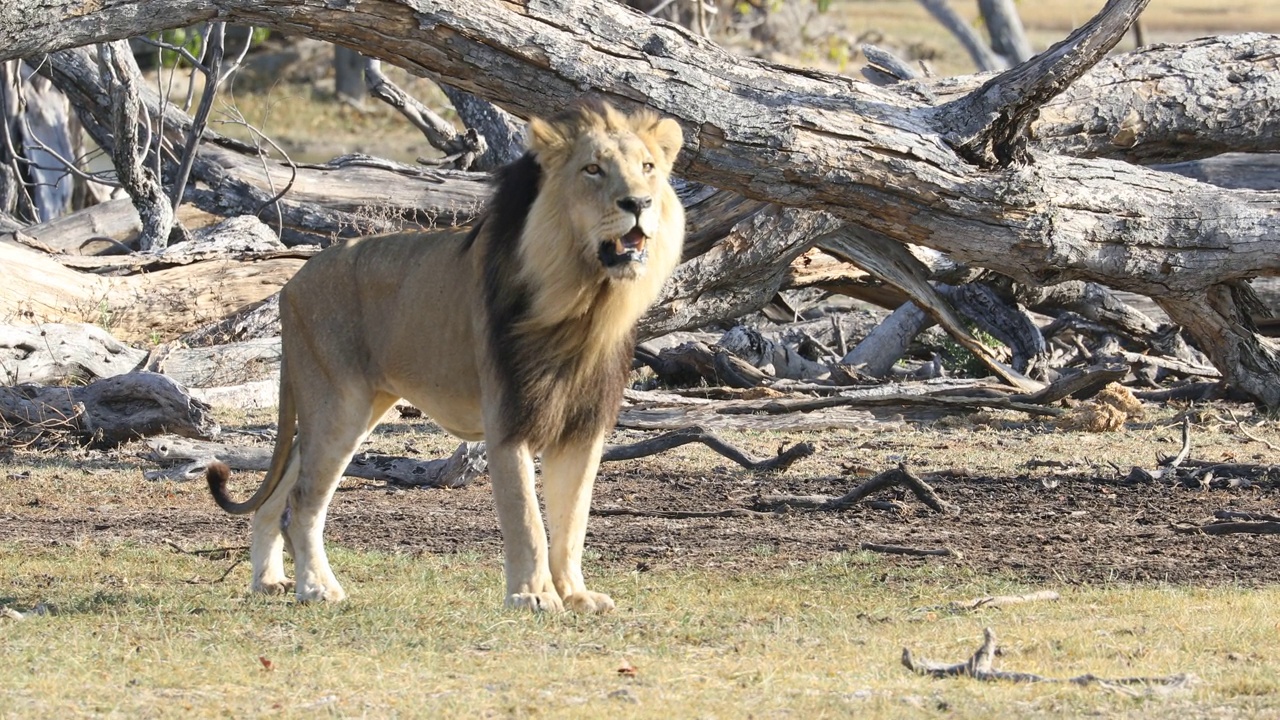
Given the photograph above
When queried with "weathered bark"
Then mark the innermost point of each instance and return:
(888, 341)
(128, 154)
(460, 149)
(193, 456)
(57, 354)
(329, 201)
(871, 156)
(35, 122)
(85, 231)
(146, 307)
(503, 134)
(109, 411)
(69, 354)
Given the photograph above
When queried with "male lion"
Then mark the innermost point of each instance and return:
(520, 332)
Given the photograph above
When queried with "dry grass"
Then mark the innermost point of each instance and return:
(142, 632)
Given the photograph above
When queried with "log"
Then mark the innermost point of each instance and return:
(64, 354)
(191, 457)
(109, 411)
(144, 308)
(56, 354)
(85, 231)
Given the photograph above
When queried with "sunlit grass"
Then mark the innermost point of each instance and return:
(133, 631)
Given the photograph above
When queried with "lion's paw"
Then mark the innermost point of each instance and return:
(537, 602)
(589, 602)
(272, 587)
(321, 593)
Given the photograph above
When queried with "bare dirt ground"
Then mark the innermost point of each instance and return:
(1037, 503)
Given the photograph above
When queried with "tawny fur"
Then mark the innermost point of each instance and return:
(520, 332)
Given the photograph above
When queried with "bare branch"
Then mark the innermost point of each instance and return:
(989, 126)
(461, 149)
(982, 55)
(120, 72)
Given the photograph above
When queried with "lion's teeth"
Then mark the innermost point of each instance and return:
(619, 247)
(639, 247)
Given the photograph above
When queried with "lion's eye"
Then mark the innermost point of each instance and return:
(648, 167)
(593, 169)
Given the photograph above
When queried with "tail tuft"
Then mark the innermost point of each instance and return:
(218, 475)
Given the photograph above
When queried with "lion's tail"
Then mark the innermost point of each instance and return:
(218, 474)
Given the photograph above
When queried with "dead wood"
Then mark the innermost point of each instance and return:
(39, 289)
(816, 268)
(914, 552)
(84, 232)
(893, 263)
(190, 458)
(878, 162)
(459, 149)
(61, 354)
(1001, 601)
(694, 362)
(1257, 527)
(771, 355)
(55, 354)
(1080, 385)
(1241, 515)
(981, 666)
(897, 477)
(108, 411)
(120, 75)
(255, 321)
(867, 400)
(779, 462)
(888, 341)
(679, 514)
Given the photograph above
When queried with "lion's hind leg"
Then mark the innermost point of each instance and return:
(327, 436)
(266, 550)
(568, 475)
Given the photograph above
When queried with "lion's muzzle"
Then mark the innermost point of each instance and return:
(629, 248)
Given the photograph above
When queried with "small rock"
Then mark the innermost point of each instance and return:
(625, 695)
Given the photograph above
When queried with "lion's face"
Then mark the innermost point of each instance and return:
(614, 171)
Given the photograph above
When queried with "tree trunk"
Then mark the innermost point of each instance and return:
(348, 75)
(1004, 27)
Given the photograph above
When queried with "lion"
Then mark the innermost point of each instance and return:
(520, 332)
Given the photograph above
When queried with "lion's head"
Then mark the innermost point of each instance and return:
(605, 187)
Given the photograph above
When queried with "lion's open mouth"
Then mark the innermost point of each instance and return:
(627, 249)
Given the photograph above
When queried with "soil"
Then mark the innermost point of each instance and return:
(1036, 503)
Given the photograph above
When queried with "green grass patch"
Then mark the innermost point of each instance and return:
(144, 631)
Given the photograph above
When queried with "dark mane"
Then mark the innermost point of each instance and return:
(545, 401)
(515, 188)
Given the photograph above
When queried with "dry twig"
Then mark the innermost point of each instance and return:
(674, 439)
(1259, 527)
(915, 552)
(890, 478)
(980, 666)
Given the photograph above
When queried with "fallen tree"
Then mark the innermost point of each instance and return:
(963, 168)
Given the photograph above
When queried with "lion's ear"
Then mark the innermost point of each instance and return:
(546, 140)
(669, 138)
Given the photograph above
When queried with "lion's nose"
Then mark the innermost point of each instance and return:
(635, 205)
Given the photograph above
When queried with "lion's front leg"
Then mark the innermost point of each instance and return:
(524, 542)
(568, 475)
